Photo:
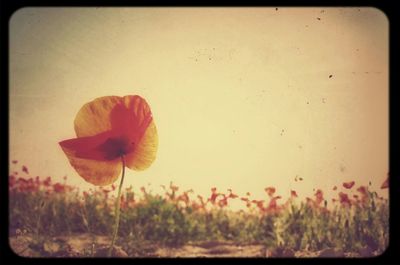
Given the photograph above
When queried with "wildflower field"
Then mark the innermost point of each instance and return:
(52, 219)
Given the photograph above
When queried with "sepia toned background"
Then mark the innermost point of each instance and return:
(242, 98)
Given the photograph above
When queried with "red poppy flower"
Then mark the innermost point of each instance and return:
(58, 187)
(12, 181)
(260, 204)
(47, 182)
(385, 184)
(213, 197)
(363, 190)
(344, 199)
(25, 169)
(293, 194)
(319, 196)
(348, 185)
(273, 205)
(270, 191)
(223, 202)
(184, 197)
(233, 196)
(107, 129)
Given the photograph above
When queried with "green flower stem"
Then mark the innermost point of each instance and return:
(117, 209)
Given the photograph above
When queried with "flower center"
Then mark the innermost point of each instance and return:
(115, 147)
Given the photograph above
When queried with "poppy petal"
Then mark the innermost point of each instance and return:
(132, 117)
(145, 152)
(89, 147)
(94, 117)
(96, 172)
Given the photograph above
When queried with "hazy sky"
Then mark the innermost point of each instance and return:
(242, 97)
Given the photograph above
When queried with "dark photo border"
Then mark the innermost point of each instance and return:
(390, 256)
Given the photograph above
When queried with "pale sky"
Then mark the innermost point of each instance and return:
(241, 97)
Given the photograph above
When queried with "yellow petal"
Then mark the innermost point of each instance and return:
(99, 173)
(146, 150)
(94, 117)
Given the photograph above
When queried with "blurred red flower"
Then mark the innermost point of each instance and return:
(233, 196)
(25, 169)
(259, 204)
(270, 191)
(385, 184)
(334, 188)
(58, 187)
(363, 190)
(293, 194)
(344, 199)
(47, 182)
(223, 202)
(12, 181)
(214, 195)
(319, 196)
(184, 198)
(348, 185)
(273, 205)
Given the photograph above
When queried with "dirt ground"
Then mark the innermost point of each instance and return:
(82, 245)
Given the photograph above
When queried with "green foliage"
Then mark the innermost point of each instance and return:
(156, 220)
(169, 221)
